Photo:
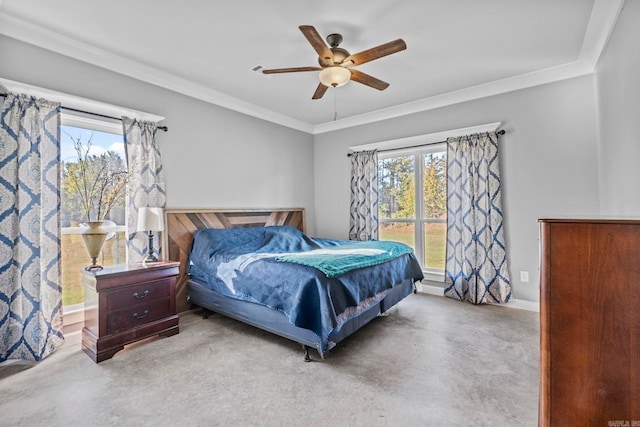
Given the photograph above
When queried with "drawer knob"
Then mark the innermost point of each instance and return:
(144, 294)
(140, 316)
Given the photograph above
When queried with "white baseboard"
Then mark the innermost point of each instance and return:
(514, 303)
(522, 305)
(72, 321)
(73, 338)
(430, 289)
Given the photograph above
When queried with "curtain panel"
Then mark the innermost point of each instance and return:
(146, 181)
(476, 265)
(363, 223)
(30, 290)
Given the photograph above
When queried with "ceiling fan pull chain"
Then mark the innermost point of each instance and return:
(335, 105)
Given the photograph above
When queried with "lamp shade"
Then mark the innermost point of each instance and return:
(150, 219)
(334, 76)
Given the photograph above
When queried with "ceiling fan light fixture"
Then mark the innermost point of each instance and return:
(334, 76)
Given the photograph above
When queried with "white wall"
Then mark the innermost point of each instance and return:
(618, 100)
(548, 166)
(213, 157)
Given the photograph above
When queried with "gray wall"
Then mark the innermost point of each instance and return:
(548, 165)
(213, 157)
(618, 100)
(555, 160)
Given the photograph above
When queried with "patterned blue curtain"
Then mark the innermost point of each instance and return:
(146, 181)
(363, 224)
(476, 266)
(30, 290)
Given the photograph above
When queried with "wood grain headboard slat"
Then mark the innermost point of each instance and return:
(182, 223)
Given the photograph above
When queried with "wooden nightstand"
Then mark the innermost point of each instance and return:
(126, 303)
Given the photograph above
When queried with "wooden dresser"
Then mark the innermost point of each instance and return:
(590, 323)
(126, 303)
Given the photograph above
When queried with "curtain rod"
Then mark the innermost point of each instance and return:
(500, 132)
(163, 128)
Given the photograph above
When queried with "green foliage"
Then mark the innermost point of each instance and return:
(396, 195)
(435, 186)
(396, 187)
(94, 184)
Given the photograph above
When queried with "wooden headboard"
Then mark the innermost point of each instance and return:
(181, 223)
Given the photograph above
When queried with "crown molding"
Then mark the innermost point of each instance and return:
(604, 16)
(602, 21)
(523, 81)
(27, 32)
(601, 24)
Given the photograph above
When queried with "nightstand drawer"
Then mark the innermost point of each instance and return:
(138, 315)
(139, 294)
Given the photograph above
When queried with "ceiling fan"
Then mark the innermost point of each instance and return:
(335, 62)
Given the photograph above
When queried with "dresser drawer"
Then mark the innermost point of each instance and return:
(138, 294)
(137, 315)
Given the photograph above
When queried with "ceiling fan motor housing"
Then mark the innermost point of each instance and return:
(339, 54)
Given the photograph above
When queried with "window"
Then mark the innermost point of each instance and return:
(92, 117)
(100, 140)
(413, 203)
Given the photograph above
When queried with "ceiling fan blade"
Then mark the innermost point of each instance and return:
(376, 52)
(366, 79)
(290, 70)
(317, 43)
(320, 90)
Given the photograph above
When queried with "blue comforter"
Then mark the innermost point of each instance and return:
(243, 263)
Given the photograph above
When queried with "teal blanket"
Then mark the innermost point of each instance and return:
(334, 261)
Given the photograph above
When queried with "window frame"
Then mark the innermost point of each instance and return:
(85, 121)
(419, 221)
(74, 313)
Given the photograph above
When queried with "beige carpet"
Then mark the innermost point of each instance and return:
(432, 362)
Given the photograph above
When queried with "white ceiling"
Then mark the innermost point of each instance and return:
(456, 49)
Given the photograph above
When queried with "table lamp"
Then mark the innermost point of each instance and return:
(150, 220)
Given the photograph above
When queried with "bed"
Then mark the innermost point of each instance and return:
(258, 267)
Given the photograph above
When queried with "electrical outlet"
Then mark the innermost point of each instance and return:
(524, 276)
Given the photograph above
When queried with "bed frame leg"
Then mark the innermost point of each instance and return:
(307, 358)
(205, 313)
